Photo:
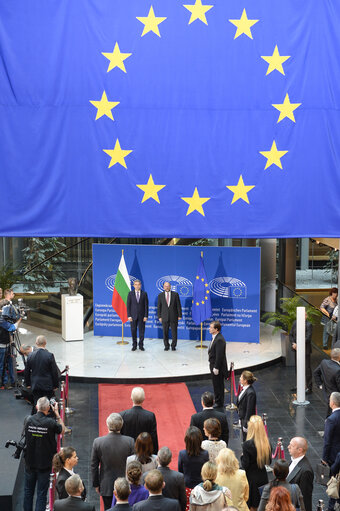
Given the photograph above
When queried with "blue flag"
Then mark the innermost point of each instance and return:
(201, 302)
(194, 118)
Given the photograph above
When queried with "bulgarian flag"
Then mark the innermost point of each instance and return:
(121, 291)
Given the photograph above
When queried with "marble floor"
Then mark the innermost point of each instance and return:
(102, 358)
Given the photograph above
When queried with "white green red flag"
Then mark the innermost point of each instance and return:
(121, 291)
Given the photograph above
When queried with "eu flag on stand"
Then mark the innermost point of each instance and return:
(201, 303)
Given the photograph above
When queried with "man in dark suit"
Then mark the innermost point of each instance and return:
(331, 439)
(208, 412)
(217, 362)
(308, 352)
(41, 371)
(137, 420)
(327, 376)
(300, 469)
(137, 311)
(73, 502)
(154, 482)
(174, 481)
(121, 492)
(108, 460)
(169, 312)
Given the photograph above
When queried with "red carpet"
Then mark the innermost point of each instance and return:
(171, 403)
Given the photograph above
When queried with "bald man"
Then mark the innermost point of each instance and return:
(300, 469)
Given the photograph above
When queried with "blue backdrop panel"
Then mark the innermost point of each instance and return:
(234, 282)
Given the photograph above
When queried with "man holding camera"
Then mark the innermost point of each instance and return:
(6, 359)
(40, 434)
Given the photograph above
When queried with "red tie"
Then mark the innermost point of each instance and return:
(168, 298)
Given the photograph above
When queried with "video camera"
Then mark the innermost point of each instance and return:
(12, 313)
(20, 446)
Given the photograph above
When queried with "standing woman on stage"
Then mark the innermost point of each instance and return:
(246, 401)
(257, 453)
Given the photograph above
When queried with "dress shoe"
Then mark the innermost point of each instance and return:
(133, 348)
(166, 348)
(173, 348)
(142, 348)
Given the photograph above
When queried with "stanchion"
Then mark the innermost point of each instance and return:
(279, 451)
(122, 342)
(231, 407)
(320, 506)
(264, 419)
(201, 346)
(68, 430)
(51, 491)
(68, 409)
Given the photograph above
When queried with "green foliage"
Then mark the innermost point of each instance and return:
(332, 263)
(8, 276)
(284, 320)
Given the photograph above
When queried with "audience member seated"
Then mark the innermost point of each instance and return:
(230, 475)
(212, 429)
(281, 469)
(209, 496)
(121, 494)
(256, 455)
(144, 450)
(63, 463)
(137, 491)
(74, 487)
(280, 500)
(174, 481)
(154, 482)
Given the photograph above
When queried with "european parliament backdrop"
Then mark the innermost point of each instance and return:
(233, 275)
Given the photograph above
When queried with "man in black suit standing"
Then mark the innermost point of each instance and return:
(300, 469)
(41, 371)
(74, 502)
(208, 412)
(327, 376)
(331, 439)
(174, 481)
(121, 492)
(217, 362)
(108, 460)
(137, 420)
(169, 312)
(137, 311)
(154, 482)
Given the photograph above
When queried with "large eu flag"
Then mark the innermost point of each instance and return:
(157, 118)
(201, 301)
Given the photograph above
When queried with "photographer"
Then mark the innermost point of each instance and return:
(40, 433)
(6, 359)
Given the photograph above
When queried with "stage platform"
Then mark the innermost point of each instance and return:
(101, 359)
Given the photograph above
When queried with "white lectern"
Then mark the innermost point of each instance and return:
(72, 317)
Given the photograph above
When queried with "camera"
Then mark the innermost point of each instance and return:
(13, 313)
(20, 446)
(53, 401)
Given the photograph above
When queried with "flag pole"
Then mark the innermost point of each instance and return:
(201, 346)
(122, 342)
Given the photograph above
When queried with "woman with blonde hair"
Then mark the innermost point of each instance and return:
(279, 500)
(209, 496)
(257, 453)
(230, 475)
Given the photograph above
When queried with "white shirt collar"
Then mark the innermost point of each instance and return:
(335, 409)
(294, 462)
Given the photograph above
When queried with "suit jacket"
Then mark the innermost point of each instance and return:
(303, 475)
(331, 439)
(246, 404)
(308, 333)
(137, 310)
(174, 486)
(73, 504)
(327, 374)
(121, 507)
(171, 313)
(110, 452)
(217, 355)
(157, 503)
(41, 371)
(197, 419)
(60, 485)
(137, 420)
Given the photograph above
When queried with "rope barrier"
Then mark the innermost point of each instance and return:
(264, 419)
(231, 407)
(51, 490)
(279, 451)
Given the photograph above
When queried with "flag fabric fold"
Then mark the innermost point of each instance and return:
(201, 303)
(121, 291)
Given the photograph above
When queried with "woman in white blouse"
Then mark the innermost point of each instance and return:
(212, 429)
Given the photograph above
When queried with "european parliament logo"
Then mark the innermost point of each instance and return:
(228, 287)
(181, 285)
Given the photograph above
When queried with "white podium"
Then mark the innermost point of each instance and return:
(72, 318)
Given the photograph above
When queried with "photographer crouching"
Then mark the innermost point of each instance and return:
(6, 340)
(41, 445)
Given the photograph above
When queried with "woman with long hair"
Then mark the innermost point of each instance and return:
(138, 491)
(279, 500)
(257, 453)
(144, 450)
(230, 475)
(63, 463)
(212, 429)
(209, 496)
(246, 400)
(281, 469)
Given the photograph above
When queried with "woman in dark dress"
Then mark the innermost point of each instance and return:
(246, 400)
(256, 455)
(63, 463)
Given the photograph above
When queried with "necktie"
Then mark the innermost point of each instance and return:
(137, 296)
(168, 298)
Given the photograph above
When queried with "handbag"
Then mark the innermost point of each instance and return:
(333, 487)
(331, 327)
(322, 474)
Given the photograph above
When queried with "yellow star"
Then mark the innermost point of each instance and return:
(150, 190)
(208, 291)
(202, 279)
(198, 11)
(197, 277)
(286, 109)
(116, 58)
(197, 303)
(206, 285)
(195, 202)
(273, 156)
(205, 298)
(243, 25)
(117, 154)
(275, 61)
(150, 22)
(240, 191)
(203, 302)
(104, 107)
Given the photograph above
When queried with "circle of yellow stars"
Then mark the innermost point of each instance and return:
(198, 12)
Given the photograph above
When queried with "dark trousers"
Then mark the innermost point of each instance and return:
(141, 328)
(107, 501)
(218, 384)
(173, 326)
(35, 478)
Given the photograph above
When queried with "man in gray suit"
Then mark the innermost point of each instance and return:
(174, 481)
(154, 482)
(110, 452)
(74, 487)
